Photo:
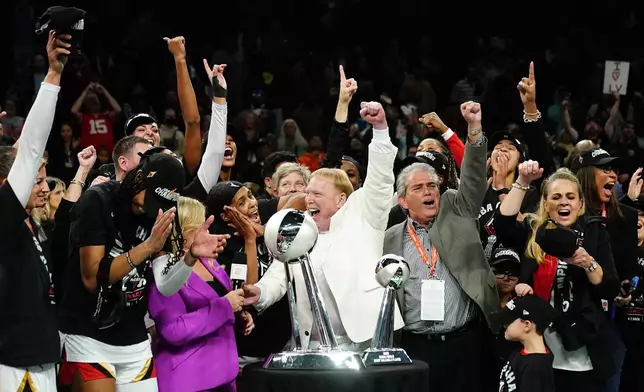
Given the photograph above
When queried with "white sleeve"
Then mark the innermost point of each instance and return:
(170, 283)
(213, 157)
(33, 140)
(272, 285)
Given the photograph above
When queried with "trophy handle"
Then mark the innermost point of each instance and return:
(295, 325)
(384, 335)
(320, 315)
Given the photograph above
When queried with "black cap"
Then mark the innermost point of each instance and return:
(529, 307)
(497, 137)
(164, 178)
(358, 166)
(222, 195)
(501, 255)
(435, 159)
(557, 240)
(64, 20)
(137, 120)
(596, 157)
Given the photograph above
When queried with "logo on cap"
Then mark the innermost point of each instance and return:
(510, 305)
(507, 252)
(167, 194)
(526, 313)
(598, 152)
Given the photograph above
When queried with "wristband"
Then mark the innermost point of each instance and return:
(218, 90)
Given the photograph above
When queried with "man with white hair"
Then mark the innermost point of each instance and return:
(351, 227)
(451, 286)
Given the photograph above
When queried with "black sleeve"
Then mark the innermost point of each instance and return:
(609, 287)
(267, 208)
(12, 213)
(535, 137)
(195, 190)
(511, 232)
(338, 142)
(88, 228)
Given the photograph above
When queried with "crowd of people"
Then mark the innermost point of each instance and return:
(122, 272)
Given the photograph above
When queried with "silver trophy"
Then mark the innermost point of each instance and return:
(289, 237)
(392, 272)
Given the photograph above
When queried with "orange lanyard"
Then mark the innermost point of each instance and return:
(421, 251)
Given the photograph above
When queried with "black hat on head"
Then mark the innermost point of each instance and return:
(137, 120)
(222, 195)
(435, 159)
(497, 137)
(164, 178)
(596, 157)
(530, 308)
(64, 20)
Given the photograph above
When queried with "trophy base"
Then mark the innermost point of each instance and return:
(385, 356)
(315, 360)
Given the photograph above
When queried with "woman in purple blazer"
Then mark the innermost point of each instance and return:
(196, 349)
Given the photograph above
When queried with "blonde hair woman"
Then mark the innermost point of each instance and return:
(579, 287)
(46, 213)
(197, 323)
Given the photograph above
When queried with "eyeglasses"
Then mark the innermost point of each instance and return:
(506, 275)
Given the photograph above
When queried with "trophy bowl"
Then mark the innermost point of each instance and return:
(290, 234)
(392, 271)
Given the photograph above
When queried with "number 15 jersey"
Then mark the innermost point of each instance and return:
(96, 130)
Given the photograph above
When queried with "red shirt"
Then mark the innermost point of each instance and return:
(96, 130)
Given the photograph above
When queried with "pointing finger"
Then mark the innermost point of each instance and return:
(343, 77)
(531, 71)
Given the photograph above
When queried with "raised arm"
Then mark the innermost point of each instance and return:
(339, 135)
(454, 144)
(213, 157)
(86, 160)
(38, 124)
(471, 191)
(188, 103)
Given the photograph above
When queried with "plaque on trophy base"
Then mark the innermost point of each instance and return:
(315, 360)
(385, 356)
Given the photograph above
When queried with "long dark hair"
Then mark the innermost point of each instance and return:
(586, 176)
(132, 184)
(451, 182)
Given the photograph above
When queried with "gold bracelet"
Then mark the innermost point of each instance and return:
(519, 186)
(77, 182)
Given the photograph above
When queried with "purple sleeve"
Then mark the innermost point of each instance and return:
(177, 326)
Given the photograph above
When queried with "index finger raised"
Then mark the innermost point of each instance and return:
(531, 71)
(343, 77)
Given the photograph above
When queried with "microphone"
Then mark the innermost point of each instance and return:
(238, 270)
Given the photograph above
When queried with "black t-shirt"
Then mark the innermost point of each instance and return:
(486, 216)
(528, 373)
(94, 225)
(267, 208)
(28, 332)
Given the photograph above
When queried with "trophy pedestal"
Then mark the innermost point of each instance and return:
(385, 356)
(315, 359)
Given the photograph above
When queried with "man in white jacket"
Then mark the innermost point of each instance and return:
(351, 226)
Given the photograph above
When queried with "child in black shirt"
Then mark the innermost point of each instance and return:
(530, 369)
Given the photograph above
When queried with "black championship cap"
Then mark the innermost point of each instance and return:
(137, 120)
(435, 159)
(497, 137)
(557, 240)
(164, 178)
(597, 157)
(64, 20)
(503, 255)
(222, 195)
(530, 308)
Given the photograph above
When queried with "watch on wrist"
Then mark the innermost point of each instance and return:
(593, 266)
(475, 132)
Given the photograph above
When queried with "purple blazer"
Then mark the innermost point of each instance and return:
(196, 338)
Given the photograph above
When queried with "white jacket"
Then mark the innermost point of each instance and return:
(357, 233)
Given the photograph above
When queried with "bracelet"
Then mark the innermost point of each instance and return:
(475, 132)
(77, 182)
(537, 116)
(593, 265)
(519, 186)
(129, 260)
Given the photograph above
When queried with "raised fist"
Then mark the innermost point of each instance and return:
(471, 112)
(374, 114)
(432, 120)
(177, 46)
(348, 87)
(528, 172)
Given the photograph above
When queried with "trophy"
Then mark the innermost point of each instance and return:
(289, 236)
(391, 272)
